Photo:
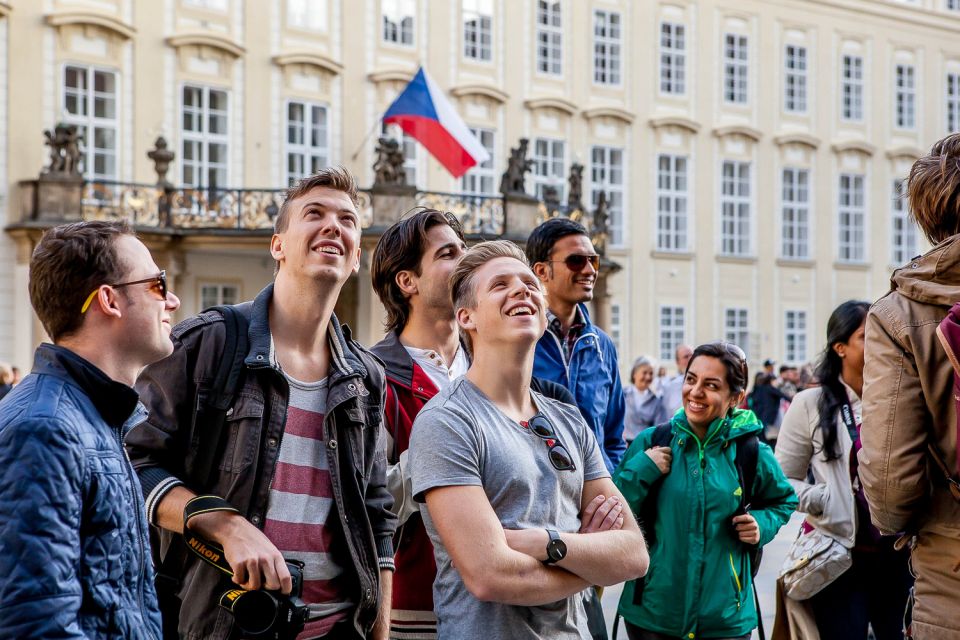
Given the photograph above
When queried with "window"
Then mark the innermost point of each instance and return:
(606, 47)
(906, 97)
(548, 171)
(90, 102)
(672, 331)
(205, 142)
(852, 88)
(409, 146)
(209, 5)
(481, 179)
(308, 149)
(795, 214)
(307, 14)
(953, 5)
(215, 294)
(735, 208)
(616, 327)
(398, 21)
(904, 232)
(953, 102)
(672, 199)
(606, 176)
(735, 328)
(673, 58)
(549, 38)
(795, 337)
(735, 68)
(478, 29)
(852, 218)
(795, 79)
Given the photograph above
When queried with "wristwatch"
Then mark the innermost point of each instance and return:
(556, 548)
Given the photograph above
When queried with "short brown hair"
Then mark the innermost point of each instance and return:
(336, 178)
(933, 189)
(463, 286)
(401, 248)
(70, 262)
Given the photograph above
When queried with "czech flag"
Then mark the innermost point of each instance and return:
(425, 114)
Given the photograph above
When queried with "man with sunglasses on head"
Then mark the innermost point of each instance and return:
(506, 475)
(297, 470)
(74, 551)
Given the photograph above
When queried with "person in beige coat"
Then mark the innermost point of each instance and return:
(820, 433)
(908, 404)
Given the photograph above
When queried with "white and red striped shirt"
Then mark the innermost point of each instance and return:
(302, 518)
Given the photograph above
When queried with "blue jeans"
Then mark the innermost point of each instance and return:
(872, 592)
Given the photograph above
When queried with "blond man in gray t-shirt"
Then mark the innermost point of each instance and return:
(510, 480)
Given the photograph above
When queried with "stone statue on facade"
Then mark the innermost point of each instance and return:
(551, 199)
(64, 145)
(162, 157)
(600, 224)
(517, 167)
(388, 169)
(575, 182)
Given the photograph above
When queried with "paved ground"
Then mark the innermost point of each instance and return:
(773, 555)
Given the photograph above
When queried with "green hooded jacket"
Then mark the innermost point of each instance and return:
(698, 585)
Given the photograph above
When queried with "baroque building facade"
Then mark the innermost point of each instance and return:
(750, 151)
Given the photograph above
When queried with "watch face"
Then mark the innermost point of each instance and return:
(557, 550)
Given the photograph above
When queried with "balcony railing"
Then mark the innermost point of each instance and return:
(478, 214)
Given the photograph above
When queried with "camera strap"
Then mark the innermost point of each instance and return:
(209, 552)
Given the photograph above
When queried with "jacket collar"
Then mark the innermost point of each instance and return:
(725, 429)
(343, 357)
(114, 401)
(401, 368)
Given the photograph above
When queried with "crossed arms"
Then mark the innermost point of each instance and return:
(499, 565)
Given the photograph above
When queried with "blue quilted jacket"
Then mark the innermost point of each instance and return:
(74, 552)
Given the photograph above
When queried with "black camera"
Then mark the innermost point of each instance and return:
(269, 614)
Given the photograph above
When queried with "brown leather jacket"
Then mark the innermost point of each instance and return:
(908, 399)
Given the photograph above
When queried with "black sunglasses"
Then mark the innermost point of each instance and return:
(577, 262)
(560, 458)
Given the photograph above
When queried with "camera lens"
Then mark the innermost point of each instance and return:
(255, 611)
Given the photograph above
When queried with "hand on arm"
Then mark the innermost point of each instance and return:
(254, 559)
(603, 557)
(490, 568)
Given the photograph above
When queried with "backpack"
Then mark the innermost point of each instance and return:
(948, 332)
(745, 460)
(210, 409)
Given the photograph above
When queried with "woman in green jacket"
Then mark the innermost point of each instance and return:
(699, 584)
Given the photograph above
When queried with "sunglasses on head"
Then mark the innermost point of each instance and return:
(158, 282)
(560, 458)
(578, 261)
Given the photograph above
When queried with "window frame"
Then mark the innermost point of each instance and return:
(220, 285)
(904, 97)
(551, 178)
(89, 122)
(673, 59)
(739, 329)
(904, 234)
(738, 243)
(608, 48)
(852, 88)
(795, 79)
(667, 190)
(849, 251)
(306, 152)
(403, 9)
(549, 38)
(796, 337)
(204, 138)
(670, 333)
(952, 93)
(800, 211)
(736, 68)
(482, 51)
(484, 170)
(617, 223)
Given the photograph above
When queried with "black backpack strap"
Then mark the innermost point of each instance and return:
(662, 435)
(745, 459)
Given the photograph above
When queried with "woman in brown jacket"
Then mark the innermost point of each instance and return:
(908, 404)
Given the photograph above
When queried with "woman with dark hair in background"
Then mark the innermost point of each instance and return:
(644, 404)
(820, 432)
(701, 538)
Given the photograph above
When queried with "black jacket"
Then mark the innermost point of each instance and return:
(160, 449)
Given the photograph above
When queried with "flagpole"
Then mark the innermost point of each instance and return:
(366, 138)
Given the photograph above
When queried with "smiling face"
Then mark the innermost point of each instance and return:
(508, 306)
(706, 392)
(145, 314)
(443, 248)
(322, 239)
(642, 377)
(564, 285)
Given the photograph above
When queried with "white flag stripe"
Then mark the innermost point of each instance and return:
(298, 508)
(453, 123)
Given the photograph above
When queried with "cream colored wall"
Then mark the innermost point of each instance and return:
(250, 51)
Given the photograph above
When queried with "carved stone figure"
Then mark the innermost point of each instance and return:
(575, 180)
(388, 169)
(600, 224)
(64, 145)
(517, 167)
(551, 199)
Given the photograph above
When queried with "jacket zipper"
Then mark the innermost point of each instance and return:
(736, 581)
(137, 501)
(566, 363)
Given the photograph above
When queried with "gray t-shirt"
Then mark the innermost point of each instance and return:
(461, 438)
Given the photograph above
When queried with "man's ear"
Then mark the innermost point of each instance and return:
(356, 261)
(107, 301)
(465, 319)
(405, 280)
(542, 270)
(276, 247)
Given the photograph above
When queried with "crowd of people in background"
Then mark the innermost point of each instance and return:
(482, 472)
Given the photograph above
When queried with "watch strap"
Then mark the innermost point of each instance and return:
(552, 536)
